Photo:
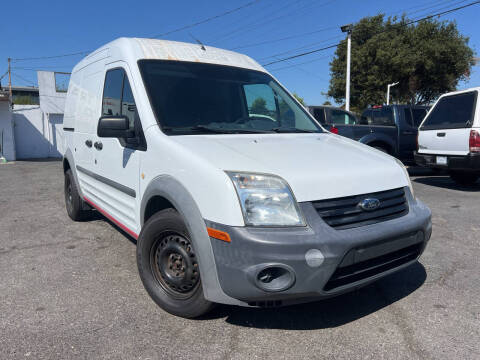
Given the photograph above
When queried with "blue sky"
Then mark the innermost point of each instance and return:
(263, 29)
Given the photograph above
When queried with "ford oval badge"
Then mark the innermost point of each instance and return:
(369, 204)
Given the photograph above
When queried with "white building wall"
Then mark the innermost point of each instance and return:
(6, 128)
(37, 135)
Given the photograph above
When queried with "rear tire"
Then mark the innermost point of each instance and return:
(73, 201)
(464, 178)
(168, 266)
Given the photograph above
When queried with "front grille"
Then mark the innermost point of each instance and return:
(371, 267)
(345, 213)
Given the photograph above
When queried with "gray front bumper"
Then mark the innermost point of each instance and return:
(252, 249)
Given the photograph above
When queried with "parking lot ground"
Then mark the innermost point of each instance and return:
(71, 290)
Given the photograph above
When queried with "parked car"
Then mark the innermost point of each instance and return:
(330, 116)
(388, 128)
(234, 193)
(449, 137)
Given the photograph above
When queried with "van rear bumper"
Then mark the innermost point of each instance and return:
(470, 162)
(279, 266)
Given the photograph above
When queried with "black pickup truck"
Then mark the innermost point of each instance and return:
(389, 128)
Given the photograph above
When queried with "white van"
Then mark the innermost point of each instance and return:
(235, 194)
(449, 136)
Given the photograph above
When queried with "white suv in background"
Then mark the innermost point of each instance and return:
(449, 136)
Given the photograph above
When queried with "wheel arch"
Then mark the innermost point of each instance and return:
(165, 190)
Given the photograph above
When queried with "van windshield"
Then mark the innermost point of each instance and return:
(197, 98)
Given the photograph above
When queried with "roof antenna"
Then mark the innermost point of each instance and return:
(198, 41)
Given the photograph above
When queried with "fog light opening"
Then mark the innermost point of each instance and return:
(275, 278)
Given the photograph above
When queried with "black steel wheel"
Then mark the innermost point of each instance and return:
(174, 265)
(168, 265)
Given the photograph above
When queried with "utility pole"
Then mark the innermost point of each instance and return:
(10, 80)
(388, 91)
(348, 29)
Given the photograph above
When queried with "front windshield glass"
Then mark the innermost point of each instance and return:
(197, 98)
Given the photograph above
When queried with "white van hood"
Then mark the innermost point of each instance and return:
(316, 166)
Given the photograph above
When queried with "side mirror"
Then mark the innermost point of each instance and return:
(114, 127)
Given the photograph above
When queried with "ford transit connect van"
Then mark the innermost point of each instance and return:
(234, 192)
(449, 137)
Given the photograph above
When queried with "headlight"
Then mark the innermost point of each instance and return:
(266, 200)
(407, 175)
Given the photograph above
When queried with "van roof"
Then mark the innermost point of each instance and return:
(134, 49)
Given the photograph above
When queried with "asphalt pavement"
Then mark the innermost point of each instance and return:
(72, 291)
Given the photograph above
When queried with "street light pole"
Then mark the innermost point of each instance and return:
(348, 29)
(388, 91)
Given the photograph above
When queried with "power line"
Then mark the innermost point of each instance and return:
(25, 80)
(51, 57)
(339, 36)
(284, 38)
(262, 22)
(405, 24)
(207, 19)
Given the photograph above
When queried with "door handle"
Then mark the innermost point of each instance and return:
(98, 145)
(406, 132)
(442, 134)
(88, 143)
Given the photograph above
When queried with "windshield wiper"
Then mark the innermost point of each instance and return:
(215, 130)
(293, 130)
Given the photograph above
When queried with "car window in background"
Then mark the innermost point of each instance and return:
(418, 116)
(366, 118)
(408, 116)
(383, 117)
(339, 117)
(319, 114)
(454, 111)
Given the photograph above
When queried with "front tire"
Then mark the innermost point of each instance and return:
(464, 178)
(168, 266)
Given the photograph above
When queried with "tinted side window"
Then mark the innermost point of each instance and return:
(455, 111)
(418, 116)
(319, 114)
(128, 103)
(408, 116)
(118, 97)
(366, 118)
(342, 118)
(118, 100)
(112, 92)
(383, 116)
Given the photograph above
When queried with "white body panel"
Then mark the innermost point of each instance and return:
(447, 141)
(316, 166)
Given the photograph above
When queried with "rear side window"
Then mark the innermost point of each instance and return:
(319, 114)
(366, 118)
(408, 116)
(383, 117)
(451, 112)
(418, 116)
(342, 118)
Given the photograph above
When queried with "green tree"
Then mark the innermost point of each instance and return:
(259, 106)
(327, 103)
(299, 99)
(427, 59)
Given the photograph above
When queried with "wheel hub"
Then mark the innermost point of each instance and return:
(175, 265)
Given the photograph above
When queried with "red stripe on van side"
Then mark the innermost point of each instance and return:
(111, 218)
